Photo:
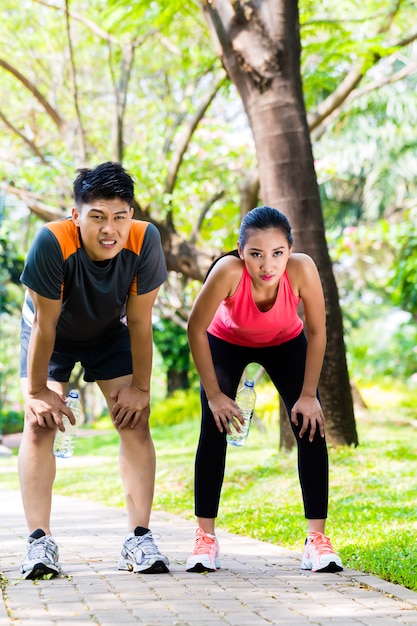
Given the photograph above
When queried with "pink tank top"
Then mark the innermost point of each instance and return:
(238, 320)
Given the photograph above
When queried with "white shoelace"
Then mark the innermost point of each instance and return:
(144, 543)
(41, 547)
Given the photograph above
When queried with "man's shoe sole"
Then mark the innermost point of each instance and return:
(39, 571)
(159, 567)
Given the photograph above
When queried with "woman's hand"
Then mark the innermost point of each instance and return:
(225, 412)
(308, 409)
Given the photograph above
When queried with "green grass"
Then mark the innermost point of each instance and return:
(373, 488)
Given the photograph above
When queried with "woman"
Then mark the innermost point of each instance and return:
(247, 312)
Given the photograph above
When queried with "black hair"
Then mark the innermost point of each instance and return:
(104, 182)
(261, 218)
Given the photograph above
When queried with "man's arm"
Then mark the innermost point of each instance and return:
(43, 404)
(132, 403)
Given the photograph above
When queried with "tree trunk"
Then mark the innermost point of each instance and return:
(260, 49)
(177, 379)
(286, 435)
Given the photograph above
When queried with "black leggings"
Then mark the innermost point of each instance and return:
(285, 366)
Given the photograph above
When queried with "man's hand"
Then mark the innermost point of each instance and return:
(131, 406)
(46, 408)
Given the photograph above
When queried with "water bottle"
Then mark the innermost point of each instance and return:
(245, 399)
(64, 442)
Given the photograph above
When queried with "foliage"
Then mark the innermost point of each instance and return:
(362, 257)
(372, 487)
(173, 69)
(171, 341)
(11, 422)
(11, 257)
(10, 394)
(181, 407)
(384, 348)
(373, 265)
(404, 278)
(365, 151)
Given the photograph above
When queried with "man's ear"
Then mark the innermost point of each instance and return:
(75, 214)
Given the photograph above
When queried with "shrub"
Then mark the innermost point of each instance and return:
(12, 422)
(180, 407)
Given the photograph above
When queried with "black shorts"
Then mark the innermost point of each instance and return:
(103, 360)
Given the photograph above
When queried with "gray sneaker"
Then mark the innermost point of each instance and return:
(141, 554)
(42, 557)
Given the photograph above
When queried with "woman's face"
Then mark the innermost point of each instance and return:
(265, 253)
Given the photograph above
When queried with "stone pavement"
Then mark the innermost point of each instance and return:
(259, 583)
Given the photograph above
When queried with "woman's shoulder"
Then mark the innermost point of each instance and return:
(228, 271)
(299, 261)
(300, 268)
(227, 263)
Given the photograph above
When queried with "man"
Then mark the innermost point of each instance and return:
(85, 276)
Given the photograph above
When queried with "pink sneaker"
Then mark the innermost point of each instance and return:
(319, 555)
(205, 556)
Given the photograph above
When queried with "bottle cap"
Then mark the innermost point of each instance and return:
(73, 393)
(249, 383)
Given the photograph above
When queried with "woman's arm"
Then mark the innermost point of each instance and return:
(221, 283)
(305, 277)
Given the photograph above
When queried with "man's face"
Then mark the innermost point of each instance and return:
(104, 226)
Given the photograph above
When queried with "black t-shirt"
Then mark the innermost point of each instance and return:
(93, 294)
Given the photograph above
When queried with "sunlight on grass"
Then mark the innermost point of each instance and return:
(378, 397)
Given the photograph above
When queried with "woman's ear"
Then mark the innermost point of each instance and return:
(239, 249)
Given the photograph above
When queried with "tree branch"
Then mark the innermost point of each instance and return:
(206, 207)
(97, 30)
(24, 138)
(336, 99)
(73, 72)
(33, 202)
(186, 135)
(351, 80)
(53, 113)
(166, 312)
(356, 93)
(120, 88)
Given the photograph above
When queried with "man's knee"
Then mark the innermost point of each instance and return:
(32, 431)
(141, 432)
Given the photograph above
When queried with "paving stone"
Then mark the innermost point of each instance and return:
(259, 584)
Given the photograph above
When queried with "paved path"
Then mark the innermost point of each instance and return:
(259, 583)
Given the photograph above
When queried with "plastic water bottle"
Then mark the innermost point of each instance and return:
(245, 399)
(64, 442)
